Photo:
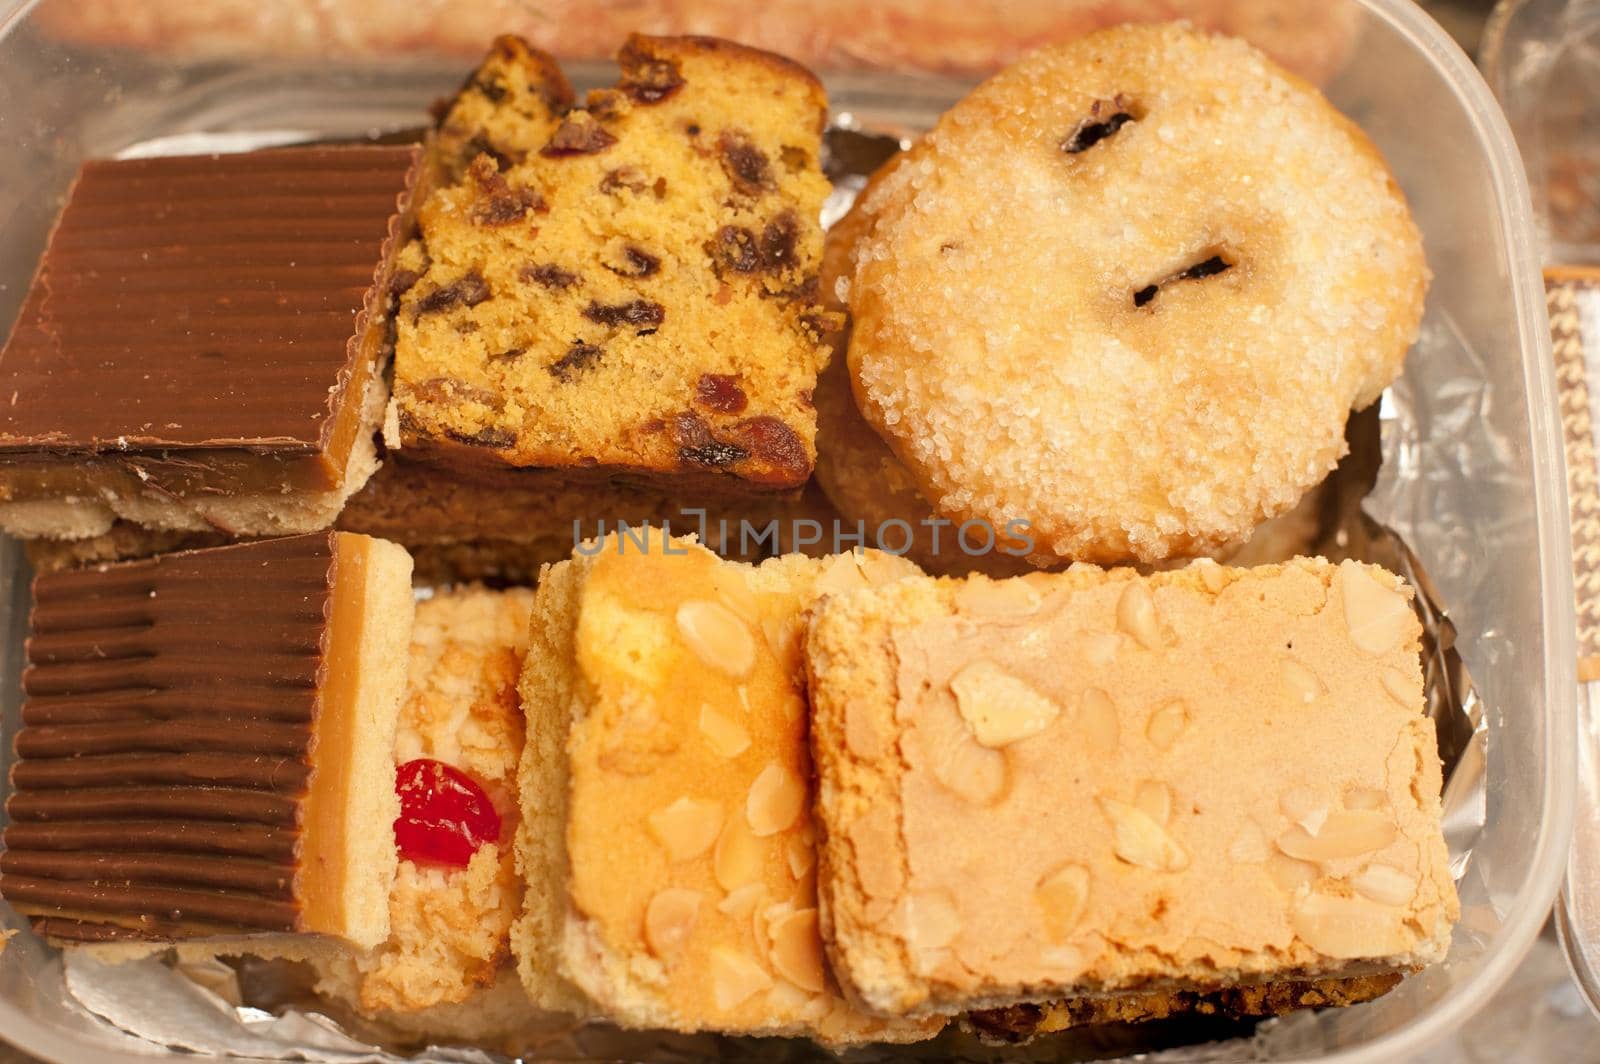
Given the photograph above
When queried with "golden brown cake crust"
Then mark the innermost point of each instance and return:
(1252, 785)
(628, 286)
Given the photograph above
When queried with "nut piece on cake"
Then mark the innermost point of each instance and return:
(459, 738)
(665, 795)
(628, 286)
(1096, 783)
(203, 346)
(205, 748)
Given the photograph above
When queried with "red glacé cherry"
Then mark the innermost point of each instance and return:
(444, 815)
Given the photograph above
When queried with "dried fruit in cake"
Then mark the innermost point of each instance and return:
(445, 816)
(1129, 290)
(626, 285)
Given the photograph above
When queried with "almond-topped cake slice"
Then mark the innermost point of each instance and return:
(626, 286)
(665, 790)
(1097, 784)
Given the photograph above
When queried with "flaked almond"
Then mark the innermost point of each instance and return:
(668, 919)
(1154, 798)
(738, 856)
(718, 637)
(1249, 845)
(1062, 896)
(1211, 575)
(1398, 686)
(1064, 962)
(1346, 833)
(929, 919)
(797, 949)
(1000, 708)
(1384, 884)
(1097, 721)
(1139, 840)
(972, 772)
(740, 903)
(1378, 618)
(735, 977)
(802, 856)
(687, 827)
(1348, 928)
(1100, 648)
(1167, 725)
(726, 736)
(1301, 683)
(1136, 615)
(840, 574)
(1305, 807)
(997, 598)
(761, 928)
(1289, 875)
(881, 567)
(1365, 798)
(782, 632)
(775, 800)
(733, 591)
(873, 836)
(785, 1000)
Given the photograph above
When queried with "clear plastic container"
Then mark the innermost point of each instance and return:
(1499, 552)
(1542, 57)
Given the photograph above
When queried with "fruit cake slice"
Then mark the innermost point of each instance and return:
(623, 287)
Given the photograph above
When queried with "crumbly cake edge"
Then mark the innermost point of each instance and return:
(547, 688)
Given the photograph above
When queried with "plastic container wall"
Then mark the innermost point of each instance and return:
(1403, 81)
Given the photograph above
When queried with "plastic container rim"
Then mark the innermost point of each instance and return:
(1530, 907)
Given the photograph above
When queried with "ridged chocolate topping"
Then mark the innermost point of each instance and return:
(202, 305)
(168, 716)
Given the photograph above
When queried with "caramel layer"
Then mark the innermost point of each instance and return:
(322, 814)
